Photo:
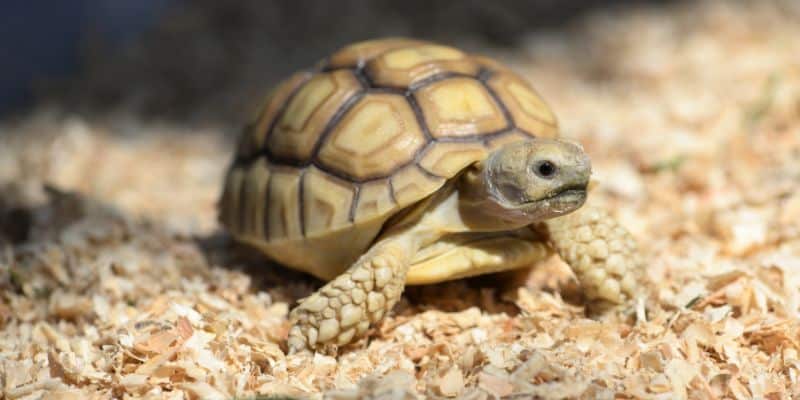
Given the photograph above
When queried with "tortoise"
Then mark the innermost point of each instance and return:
(400, 162)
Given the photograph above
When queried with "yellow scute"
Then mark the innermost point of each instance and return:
(461, 101)
(374, 138)
(327, 202)
(306, 101)
(530, 102)
(459, 107)
(409, 57)
(447, 159)
(374, 125)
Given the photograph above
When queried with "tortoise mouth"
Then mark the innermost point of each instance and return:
(568, 191)
(556, 204)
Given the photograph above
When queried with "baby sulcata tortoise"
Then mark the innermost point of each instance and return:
(398, 162)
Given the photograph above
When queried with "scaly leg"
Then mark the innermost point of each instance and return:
(602, 253)
(346, 306)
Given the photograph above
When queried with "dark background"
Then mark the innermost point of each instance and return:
(201, 60)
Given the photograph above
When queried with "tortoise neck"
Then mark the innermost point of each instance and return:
(462, 205)
(479, 208)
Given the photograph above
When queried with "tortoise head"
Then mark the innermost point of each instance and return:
(528, 181)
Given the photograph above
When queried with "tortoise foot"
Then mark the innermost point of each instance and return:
(602, 253)
(343, 309)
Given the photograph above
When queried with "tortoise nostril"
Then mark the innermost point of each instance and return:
(545, 169)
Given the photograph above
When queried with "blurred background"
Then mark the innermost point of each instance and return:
(203, 60)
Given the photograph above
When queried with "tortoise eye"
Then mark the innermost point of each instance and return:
(545, 169)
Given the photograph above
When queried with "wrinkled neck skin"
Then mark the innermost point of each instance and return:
(479, 209)
(462, 205)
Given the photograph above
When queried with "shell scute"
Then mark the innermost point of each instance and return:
(308, 112)
(374, 138)
(374, 198)
(283, 209)
(326, 202)
(230, 209)
(529, 112)
(357, 54)
(404, 67)
(254, 203)
(448, 158)
(412, 183)
(252, 140)
(460, 107)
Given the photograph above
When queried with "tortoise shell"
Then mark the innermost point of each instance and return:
(376, 127)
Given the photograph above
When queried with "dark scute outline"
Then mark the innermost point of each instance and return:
(254, 202)
(391, 191)
(309, 75)
(415, 86)
(428, 173)
(301, 201)
(228, 210)
(485, 77)
(267, 194)
(332, 122)
(335, 119)
(244, 145)
(362, 62)
(351, 215)
(244, 201)
(484, 74)
(419, 115)
(362, 77)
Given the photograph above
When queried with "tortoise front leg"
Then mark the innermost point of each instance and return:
(602, 253)
(346, 306)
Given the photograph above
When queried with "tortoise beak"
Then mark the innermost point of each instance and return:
(557, 204)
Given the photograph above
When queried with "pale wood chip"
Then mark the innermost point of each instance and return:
(451, 383)
(27, 389)
(203, 391)
(494, 385)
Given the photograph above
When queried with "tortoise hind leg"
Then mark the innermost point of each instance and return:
(602, 253)
(346, 306)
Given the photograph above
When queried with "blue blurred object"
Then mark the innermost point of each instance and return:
(42, 40)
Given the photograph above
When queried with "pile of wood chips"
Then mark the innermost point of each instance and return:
(115, 281)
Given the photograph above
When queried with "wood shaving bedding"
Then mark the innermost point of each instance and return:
(116, 283)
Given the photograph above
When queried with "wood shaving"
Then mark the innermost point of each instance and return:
(115, 281)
